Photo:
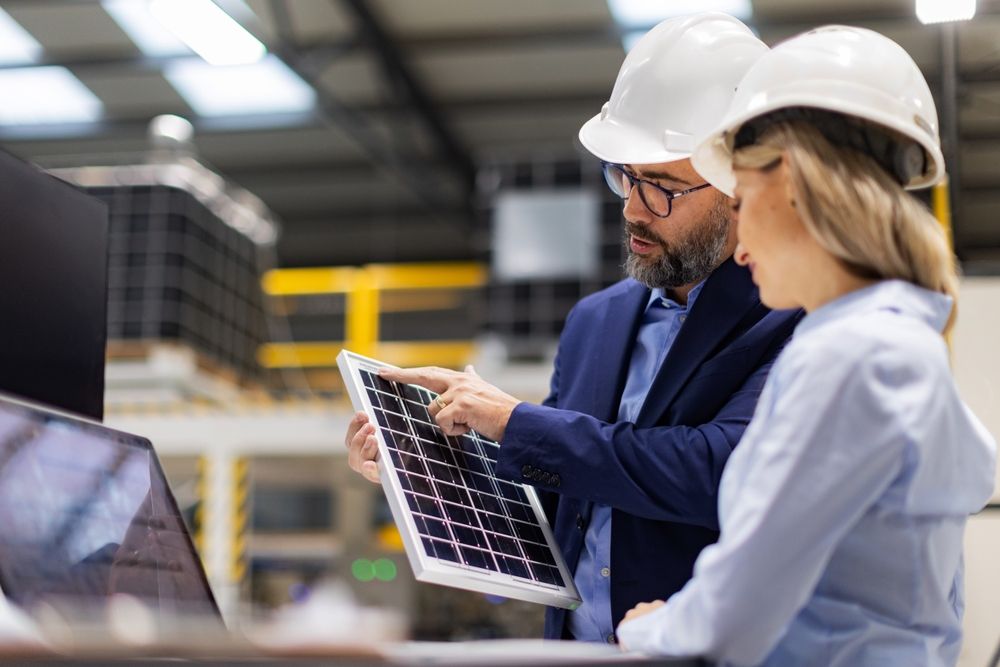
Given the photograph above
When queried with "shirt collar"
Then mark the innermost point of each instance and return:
(660, 294)
(933, 308)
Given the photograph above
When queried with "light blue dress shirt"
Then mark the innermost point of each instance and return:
(660, 325)
(843, 508)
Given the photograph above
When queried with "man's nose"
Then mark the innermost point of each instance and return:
(741, 255)
(635, 209)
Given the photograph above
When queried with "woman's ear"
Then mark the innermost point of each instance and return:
(784, 173)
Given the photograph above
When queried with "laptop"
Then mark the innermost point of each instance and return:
(86, 514)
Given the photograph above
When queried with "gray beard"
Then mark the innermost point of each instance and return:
(689, 261)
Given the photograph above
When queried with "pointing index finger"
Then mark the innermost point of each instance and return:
(436, 379)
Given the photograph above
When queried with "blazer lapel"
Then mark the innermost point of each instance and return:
(724, 300)
(613, 349)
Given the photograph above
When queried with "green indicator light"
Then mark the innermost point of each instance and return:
(385, 569)
(363, 569)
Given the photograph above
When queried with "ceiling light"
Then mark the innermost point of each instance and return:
(267, 87)
(208, 31)
(16, 45)
(647, 13)
(939, 11)
(37, 95)
(152, 38)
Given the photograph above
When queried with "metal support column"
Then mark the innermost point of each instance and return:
(218, 485)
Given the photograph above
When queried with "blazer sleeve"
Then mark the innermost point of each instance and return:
(668, 473)
(548, 499)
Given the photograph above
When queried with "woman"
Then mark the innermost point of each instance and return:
(842, 510)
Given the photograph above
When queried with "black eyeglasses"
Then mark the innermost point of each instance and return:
(657, 198)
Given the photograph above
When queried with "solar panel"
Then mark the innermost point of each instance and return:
(462, 526)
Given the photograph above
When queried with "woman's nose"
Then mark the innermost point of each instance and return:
(741, 255)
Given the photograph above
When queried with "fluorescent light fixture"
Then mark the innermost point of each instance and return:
(16, 45)
(940, 11)
(38, 95)
(152, 38)
(210, 32)
(647, 13)
(267, 87)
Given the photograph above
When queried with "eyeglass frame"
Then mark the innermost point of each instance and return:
(634, 181)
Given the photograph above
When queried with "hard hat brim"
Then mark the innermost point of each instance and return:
(621, 143)
(712, 158)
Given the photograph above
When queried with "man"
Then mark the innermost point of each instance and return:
(657, 376)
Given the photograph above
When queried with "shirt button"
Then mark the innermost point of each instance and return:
(682, 318)
(579, 522)
(612, 639)
(605, 572)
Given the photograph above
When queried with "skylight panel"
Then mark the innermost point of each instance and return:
(40, 95)
(151, 36)
(208, 31)
(266, 87)
(17, 46)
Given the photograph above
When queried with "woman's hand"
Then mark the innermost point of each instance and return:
(641, 609)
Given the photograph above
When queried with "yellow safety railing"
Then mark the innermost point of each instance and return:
(941, 205)
(364, 288)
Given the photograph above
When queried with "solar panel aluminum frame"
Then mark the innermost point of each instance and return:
(439, 571)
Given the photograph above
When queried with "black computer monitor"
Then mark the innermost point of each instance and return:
(53, 290)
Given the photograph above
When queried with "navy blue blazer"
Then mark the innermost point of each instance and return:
(660, 474)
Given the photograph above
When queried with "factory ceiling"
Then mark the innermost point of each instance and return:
(413, 96)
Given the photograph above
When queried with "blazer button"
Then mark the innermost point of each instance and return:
(579, 522)
(555, 480)
(526, 470)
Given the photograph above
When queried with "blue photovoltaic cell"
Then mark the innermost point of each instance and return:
(462, 511)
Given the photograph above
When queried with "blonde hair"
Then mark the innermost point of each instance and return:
(856, 210)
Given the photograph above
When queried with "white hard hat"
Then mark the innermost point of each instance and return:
(674, 86)
(852, 72)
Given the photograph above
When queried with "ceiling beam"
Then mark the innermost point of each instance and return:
(407, 85)
(991, 188)
(136, 127)
(335, 113)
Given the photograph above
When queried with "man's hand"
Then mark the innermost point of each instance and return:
(465, 402)
(362, 448)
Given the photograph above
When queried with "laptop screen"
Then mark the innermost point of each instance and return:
(85, 513)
